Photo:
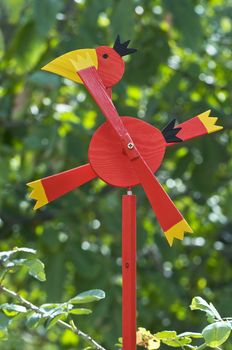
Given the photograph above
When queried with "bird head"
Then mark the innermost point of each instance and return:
(107, 60)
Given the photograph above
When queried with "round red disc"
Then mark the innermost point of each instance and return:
(110, 162)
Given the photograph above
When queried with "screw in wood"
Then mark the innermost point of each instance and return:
(130, 145)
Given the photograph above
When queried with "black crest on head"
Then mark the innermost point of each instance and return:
(170, 132)
(121, 48)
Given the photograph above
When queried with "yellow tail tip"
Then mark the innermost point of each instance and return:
(38, 194)
(209, 122)
(177, 231)
(68, 64)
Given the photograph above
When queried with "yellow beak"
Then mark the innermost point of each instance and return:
(71, 62)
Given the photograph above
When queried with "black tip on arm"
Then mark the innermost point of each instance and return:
(170, 132)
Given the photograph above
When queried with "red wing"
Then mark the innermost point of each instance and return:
(200, 125)
(49, 188)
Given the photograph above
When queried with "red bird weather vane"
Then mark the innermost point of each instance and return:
(123, 152)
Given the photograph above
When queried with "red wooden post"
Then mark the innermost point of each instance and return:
(129, 271)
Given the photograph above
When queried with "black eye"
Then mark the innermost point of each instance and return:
(105, 55)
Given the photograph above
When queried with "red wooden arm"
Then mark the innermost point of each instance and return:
(52, 187)
(170, 219)
(94, 85)
(200, 125)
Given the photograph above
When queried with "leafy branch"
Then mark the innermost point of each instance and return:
(47, 315)
(213, 335)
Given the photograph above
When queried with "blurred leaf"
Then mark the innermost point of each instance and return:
(33, 320)
(186, 21)
(36, 269)
(7, 308)
(26, 48)
(190, 335)
(4, 321)
(2, 45)
(216, 333)
(52, 321)
(44, 80)
(123, 20)
(153, 51)
(88, 297)
(166, 335)
(81, 311)
(45, 12)
(6, 255)
(13, 8)
(199, 303)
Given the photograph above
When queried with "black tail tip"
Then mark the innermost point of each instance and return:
(170, 132)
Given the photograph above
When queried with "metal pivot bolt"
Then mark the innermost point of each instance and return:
(130, 145)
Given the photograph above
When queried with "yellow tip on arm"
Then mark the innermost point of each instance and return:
(38, 194)
(209, 122)
(177, 231)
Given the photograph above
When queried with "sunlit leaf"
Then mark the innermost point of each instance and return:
(88, 296)
(216, 333)
(12, 309)
(199, 303)
(36, 269)
(80, 311)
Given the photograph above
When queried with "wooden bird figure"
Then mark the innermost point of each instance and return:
(124, 151)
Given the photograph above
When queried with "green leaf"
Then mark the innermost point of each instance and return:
(216, 333)
(88, 296)
(33, 320)
(53, 306)
(177, 342)
(171, 338)
(36, 269)
(80, 311)
(51, 321)
(25, 250)
(4, 256)
(166, 335)
(12, 309)
(191, 335)
(199, 303)
(4, 321)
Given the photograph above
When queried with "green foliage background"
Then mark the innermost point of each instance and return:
(183, 67)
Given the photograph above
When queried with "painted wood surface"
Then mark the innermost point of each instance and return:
(52, 187)
(200, 125)
(96, 88)
(110, 161)
(108, 58)
(169, 217)
(129, 272)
